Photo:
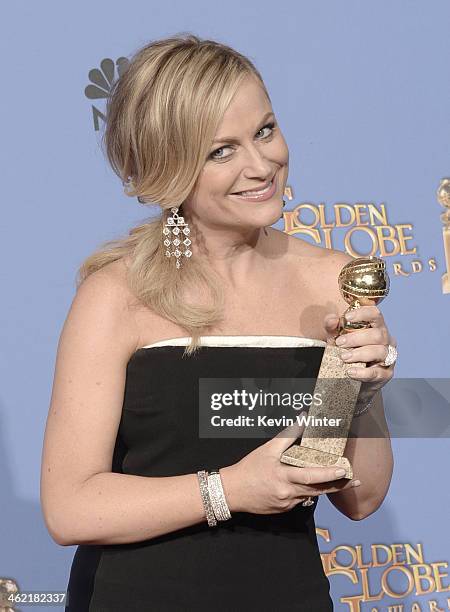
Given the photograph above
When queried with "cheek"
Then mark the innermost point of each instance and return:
(214, 183)
(283, 151)
(220, 179)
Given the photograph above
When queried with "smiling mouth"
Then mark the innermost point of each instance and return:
(256, 192)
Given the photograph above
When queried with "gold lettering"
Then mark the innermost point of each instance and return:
(326, 559)
(438, 576)
(337, 215)
(290, 221)
(396, 553)
(351, 552)
(348, 244)
(426, 577)
(323, 221)
(288, 192)
(366, 588)
(416, 608)
(385, 584)
(353, 602)
(389, 238)
(328, 240)
(416, 554)
(374, 214)
(402, 239)
(432, 264)
(313, 233)
(360, 562)
(398, 270)
(376, 561)
(315, 212)
(433, 606)
(360, 210)
(323, 533)
(416, 266)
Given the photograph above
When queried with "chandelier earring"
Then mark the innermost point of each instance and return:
(176, 237)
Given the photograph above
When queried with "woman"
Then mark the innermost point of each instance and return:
(190, 126)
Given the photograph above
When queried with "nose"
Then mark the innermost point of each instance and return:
(256, 164)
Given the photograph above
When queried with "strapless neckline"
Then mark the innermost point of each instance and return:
(262, 341)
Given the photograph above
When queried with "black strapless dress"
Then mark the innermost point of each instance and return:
(249, 563)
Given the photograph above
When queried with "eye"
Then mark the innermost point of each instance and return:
(213, 154)
(269, 126)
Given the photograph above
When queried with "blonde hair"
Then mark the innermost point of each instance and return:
(161, 118)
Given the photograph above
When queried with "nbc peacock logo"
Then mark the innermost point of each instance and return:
(101, 80)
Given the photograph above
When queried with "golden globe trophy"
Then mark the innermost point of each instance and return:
(443, 197)
(363, 281)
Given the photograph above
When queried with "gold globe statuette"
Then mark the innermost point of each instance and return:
(443, 197)
(362, 282)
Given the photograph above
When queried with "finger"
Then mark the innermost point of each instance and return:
(371, 353)
(363, 337)
(375, 373)
(327, 487)
(371, 314)
(313, 475)
(331, 325)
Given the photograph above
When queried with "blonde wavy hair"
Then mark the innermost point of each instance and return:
(161, 119)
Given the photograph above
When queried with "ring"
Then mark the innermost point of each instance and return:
(391, 356)
(308, 501)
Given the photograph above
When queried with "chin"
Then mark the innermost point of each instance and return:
(269, 216)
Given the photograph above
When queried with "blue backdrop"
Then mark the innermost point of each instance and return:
(361, 91)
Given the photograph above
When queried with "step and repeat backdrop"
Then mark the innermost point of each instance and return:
(361, 92)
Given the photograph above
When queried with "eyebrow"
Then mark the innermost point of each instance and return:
(236, 140)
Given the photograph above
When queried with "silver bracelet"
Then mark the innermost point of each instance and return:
(202, 476)
(217, 496)
(362, 410)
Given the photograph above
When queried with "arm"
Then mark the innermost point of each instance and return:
(83, 502)
(370, 451)
(372, 461)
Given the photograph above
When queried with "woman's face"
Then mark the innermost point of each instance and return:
(249, 152)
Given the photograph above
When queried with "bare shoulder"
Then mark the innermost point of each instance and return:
(104, 296)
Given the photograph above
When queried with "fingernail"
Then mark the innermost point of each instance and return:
(351, 372)
(341, 340)
(355, 483)
(340, 472)
(350, 316)
(346, 355)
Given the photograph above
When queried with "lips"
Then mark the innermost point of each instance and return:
(255, 192)
(263, 195)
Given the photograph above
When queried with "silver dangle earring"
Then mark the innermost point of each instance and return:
(176, 228)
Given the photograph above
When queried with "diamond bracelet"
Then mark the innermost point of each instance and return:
(217, 496)
(202, 476)
(364, 409)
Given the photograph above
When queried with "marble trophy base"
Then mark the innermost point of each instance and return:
(339, 395)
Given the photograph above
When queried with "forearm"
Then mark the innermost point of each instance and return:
(370, 454)
(112, 508)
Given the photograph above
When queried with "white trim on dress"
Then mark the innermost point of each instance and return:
(256, 341)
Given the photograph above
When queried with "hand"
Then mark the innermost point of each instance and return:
(261, 484)
(365, 345)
